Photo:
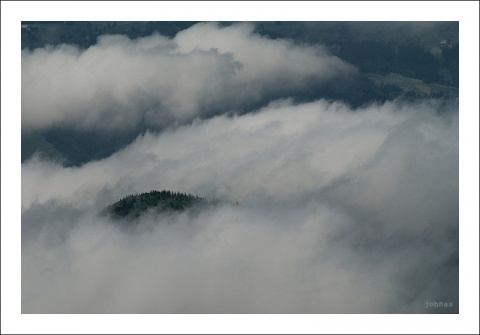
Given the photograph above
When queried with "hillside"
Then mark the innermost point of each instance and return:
(134, 206)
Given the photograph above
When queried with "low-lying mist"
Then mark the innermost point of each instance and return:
(339, 211)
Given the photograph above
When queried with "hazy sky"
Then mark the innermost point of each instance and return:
(340, 210)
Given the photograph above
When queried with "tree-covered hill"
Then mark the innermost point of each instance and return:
(133, 206)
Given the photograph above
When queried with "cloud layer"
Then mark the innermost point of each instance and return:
(155, 81)
(340, 211)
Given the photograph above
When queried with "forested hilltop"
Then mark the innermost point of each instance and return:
(135, 205)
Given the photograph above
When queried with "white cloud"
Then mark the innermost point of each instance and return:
(340, 211)
(156, 81)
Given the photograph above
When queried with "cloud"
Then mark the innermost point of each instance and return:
(159, 82)
(341, 211)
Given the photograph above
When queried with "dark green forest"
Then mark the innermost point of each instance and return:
(84, 34)
(422, 50)
(135, 205)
